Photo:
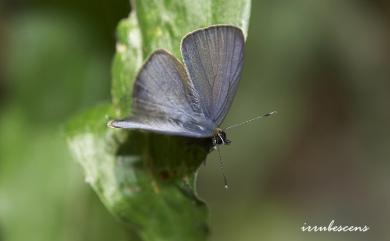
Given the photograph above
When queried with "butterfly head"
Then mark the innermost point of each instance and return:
(219, 138)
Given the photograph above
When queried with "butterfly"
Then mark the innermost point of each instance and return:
(190, 98)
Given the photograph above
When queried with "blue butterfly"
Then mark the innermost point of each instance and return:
(193, 98)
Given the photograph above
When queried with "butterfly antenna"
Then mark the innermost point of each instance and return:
(253, 119)
(222, 170)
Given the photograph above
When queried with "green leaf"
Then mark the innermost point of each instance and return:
(127, 60)
(120, 174)
(148, 180)
(164, 23)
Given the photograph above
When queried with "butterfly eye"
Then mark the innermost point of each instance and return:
(220, 140)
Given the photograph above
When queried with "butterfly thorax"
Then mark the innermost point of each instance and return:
(219, 138)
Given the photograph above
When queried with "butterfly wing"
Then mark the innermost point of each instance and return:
(214, 58)
(161, 125)
(164, 100)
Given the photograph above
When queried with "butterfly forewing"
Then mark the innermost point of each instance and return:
(164, 100)
(214, 58)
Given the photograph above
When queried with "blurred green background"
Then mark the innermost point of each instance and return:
(324, 65)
